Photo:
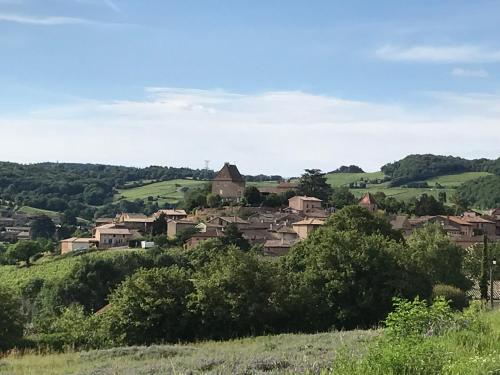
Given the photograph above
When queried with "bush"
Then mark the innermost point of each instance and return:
(456, 297)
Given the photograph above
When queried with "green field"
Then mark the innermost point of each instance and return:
(455, 180)
(49, 268)
(162, 192)
(171, 191)
(52, 214)
(288, 353)
(341, 179)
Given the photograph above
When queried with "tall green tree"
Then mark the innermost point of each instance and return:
(43, 227)
(23, 251)
(313, 183)
(341, 197)
(160, 225)
(233, 236)
(253, 196)
(11, 322)
(433, 252)
(151, 306)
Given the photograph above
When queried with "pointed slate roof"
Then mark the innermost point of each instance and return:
(229, 172)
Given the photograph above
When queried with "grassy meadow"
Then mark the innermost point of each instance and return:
(49, 268)
(288, 353)
(171, 192)
(163, 192)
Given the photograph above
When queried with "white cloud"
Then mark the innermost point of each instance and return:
(439, 54)
(42, 21)
(270, 132)
(474, 73)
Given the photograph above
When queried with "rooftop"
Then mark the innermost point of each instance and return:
(229, 172)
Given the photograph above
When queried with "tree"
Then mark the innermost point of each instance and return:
(351, 276)
(341, 197)
(43, 227)
(483, 276)
(432, 251)
(160, 225)
(214, 200)
(234, 296)
(359, 219)
(23, 251)
(233, 236)
(313, 183)
(151, 307)
(11, 322)
(253, 196)
(427, 205)
(442, 197)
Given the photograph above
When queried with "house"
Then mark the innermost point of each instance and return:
(75, 243)
(223, 221)
(305, 227)
(135, 221)
(368, 202)
(494, 215)
(482, 226)
(176, 226)
(229, 184)
(112, 235)
(277, 247)
(402, 224)
(16, 233)
(171, 214)
(303, 203)
(202, 236)
(287, 234)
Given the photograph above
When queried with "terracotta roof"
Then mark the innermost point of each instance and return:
(231, 219)
(278, 243)
(113, 230)
(310, 222)
(285, 229)
(171, 212)
(477, 219)
(398, 221)
(306, 198)
(288, 185)
(456, 219)
(367, 199)
(79, 240)
(229, 172)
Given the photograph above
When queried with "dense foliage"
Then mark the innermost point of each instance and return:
(483, 192)
(415, 168)
(348, 169)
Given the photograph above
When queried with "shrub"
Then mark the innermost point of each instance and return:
(456, 297)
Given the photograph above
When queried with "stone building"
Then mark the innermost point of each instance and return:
(229, 183)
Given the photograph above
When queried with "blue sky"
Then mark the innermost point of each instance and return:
(273, 86)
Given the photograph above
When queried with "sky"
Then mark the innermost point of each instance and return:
(273, 86)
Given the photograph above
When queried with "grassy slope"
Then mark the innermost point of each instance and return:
(47, 268)
(266, 354)
(169, 191)
(165, 191)
(450, 182)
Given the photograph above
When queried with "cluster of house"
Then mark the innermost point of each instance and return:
(275, 230)
(15, 226)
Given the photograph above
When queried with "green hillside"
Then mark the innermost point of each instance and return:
(455, 180)
(341, 179)
(48, 268)
(163, 192)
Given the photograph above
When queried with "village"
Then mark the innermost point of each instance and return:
(275, 230)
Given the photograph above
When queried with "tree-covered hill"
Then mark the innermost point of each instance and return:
(78, 188)
(482, 193)
(414, 168)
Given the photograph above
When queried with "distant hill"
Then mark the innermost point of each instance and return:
(348, 169)
(416, 168)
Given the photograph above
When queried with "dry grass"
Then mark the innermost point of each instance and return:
(266, 354)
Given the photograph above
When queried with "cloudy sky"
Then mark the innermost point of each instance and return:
(273, 86)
